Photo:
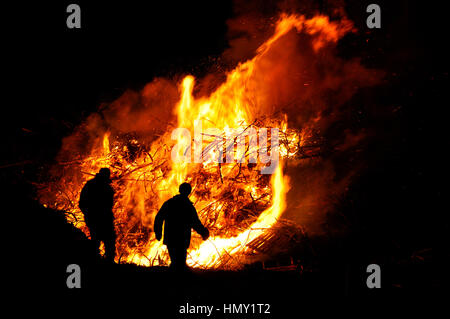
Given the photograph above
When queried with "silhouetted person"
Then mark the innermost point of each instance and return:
(179, 217)
(96, 203)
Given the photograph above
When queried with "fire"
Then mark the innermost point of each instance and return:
(106, 150)
(209, 252)
(234, 200)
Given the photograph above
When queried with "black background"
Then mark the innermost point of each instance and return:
(54, 77)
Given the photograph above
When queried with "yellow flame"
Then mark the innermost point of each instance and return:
(211, 250)
(106, 149)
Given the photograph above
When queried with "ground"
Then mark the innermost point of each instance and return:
(48, 244)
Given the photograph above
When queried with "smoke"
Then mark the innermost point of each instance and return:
(146, 112)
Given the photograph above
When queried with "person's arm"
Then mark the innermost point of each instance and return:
(159, 219)
(198, 226)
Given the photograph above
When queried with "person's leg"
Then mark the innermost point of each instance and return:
(110, 246)
(95, 242)
(172, 255)
(177, 257)
(183, 255)
(110, 249)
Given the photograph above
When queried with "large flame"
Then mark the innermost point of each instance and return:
(234, 200)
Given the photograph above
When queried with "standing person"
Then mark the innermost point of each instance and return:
(179, 216)
(96, 203)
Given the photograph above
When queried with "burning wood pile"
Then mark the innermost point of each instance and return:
(230, 197)
(239, 188)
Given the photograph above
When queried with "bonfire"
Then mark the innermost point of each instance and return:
(231, 152)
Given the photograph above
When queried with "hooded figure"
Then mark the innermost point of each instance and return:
(96, 203)
(179, 217)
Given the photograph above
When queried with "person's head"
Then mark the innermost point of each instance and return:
(185, 189)
(104, 173)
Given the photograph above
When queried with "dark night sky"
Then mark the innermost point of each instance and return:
(56, 73)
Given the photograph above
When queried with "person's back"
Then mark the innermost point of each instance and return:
(96, 200)
(179, 217)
